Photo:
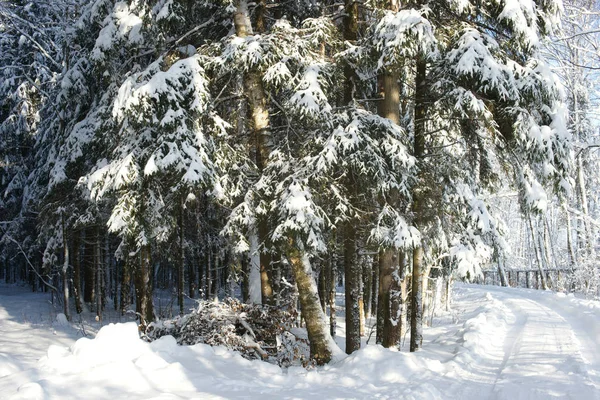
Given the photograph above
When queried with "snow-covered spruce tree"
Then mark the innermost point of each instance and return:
(483, 101)
(288, 61)
(148, 124)
(32, 39)
(352, 157)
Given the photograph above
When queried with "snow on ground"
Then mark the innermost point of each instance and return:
(497, 343)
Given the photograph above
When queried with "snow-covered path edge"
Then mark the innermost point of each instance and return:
(501, 343)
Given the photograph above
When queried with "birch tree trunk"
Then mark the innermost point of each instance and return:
(261, 136)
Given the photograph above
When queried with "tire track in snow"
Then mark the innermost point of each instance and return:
(542, 357)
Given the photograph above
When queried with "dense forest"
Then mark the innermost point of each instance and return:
(276, 149)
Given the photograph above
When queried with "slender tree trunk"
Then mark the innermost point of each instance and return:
(99, 277)
(254, 277)
(584, 207)
(501, 272)
(126, 283)
(322, 286)
(181, 261)
(65, 272)
(351, 269)
(416, 320)
(571, 252)
(332, 305)
(538, 255)
(367, 287)
(244, 260)
(352, 289)
(89, 279)
(322, 346)
(76, 257)
(374, 285)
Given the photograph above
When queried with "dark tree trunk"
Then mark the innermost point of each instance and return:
(181, 259)
(391, 297)
(89, 278)
(322, 285)
(332, 305)
(126, 283)
(352, 289)
(76, 257)
(65, 272)
(99, 277)
(143, 288)
(416, 320)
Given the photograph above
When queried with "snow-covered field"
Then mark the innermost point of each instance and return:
(497, 343)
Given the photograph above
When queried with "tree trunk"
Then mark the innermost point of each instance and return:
(143, 288)
(254, 278)
(89, 279)
(322, 286)
(322, 346)
(352, 289)
(390, 297)
(332, 305)
(501, 272)
(571, 252)
(181, 260)
(65, 272)
(374, 285)
(126, 283)
(538, 256)
(416, 319)
(588, 240)
(76, 257)
(367, 272)
(99, 277)
(261, 136)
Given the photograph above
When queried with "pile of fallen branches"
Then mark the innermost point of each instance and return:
(255, 331)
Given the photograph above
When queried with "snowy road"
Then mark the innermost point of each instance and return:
(499, 343)
(548, 346)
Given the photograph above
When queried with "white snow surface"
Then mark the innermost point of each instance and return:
(497, 343)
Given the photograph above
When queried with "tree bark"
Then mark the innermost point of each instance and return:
(181, 259)
(351, 269)
(352, 289)
(143, 288)
(332, 305)
(261, 136)
(321, 343)
(501, 272)
(89, 279)
(99, 277)
(416, 320)
(571, 251)
(390, 296)
(65, 272)
(76, 257)
(126, 283)
(538, 255)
